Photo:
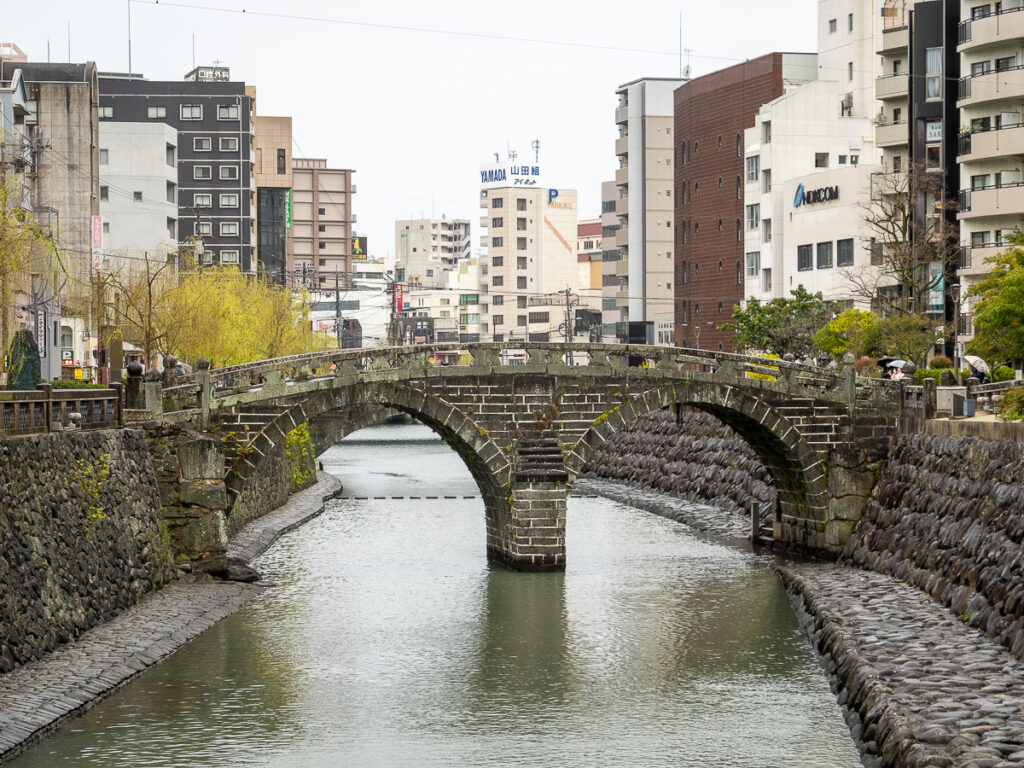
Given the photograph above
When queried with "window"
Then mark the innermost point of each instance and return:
(498, 319)
(106, 112)
(497, 280)
(229, 172)
(191, 112)
(520, 262)
(202, 143)
(521, 225)
(229, 257)
(844, 253)
(1006, 63)
(825, 255)
(876, 253)
(497, 242)
(766, 230)
(521, 283)
(229, 200)
(739, 187)
(804, 257)
(520, 319)
(753, 263)
(849, 70)
(979, 239)
(739, 145)
(497, 261)
(321, 245)
(766, 131)
(106, 227)
(104, 156)
(202, 201)
(766, 280)
(497, 202)
(104, 193)
(521, 204)
(497, 222)
(520, 302)
(520, 243)
(832, 26)
(979, 68)
(897, 114)
(156, 112)
(323, 212)
(282, 158)
(137, 196)
(202, 172)
(980, 11)
(821, 159)
(754, 216)
(933, 73)
(842, 159)
(229, 228)
(980, 181)
(227, 111)
(497, 301)
(933, 156)
(739, 231)
(323, 228)
(849, 22)
(228, 143)
(753, 168)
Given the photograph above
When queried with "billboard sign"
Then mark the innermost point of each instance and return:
(97, 242)
(287, 209)
(359, 248)
(497, 175)
(399, 297)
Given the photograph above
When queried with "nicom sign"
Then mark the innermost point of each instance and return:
(812, 196)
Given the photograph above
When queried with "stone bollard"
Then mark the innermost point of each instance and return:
(74, 420)
(133, 396)
(755, 521)
(170, 376)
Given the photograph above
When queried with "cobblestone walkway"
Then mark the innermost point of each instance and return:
(37, 697)
(918, 687)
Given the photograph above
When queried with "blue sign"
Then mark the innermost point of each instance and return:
(812, 196)
(799, 199)
(552, 194)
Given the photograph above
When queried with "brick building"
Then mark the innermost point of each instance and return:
(711, 114)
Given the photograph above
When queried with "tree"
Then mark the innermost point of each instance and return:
(915, 245)
(908, 335)
(780, 325)
(853, 330)
(998, 306)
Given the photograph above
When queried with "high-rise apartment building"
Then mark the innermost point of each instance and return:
(214, 120)
(426, 250)
(644, 117)
(614, 270)
(990, 149)
(273, 178)
(321, 242)
(531, 253)
(711, 114)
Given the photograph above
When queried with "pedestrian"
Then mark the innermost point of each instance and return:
(897, 374)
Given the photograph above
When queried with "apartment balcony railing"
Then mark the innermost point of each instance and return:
(891, 86)
(990, 27)
(993, 85)
(1006, 139)
(892, 134)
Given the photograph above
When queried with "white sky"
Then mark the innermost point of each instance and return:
(415, 113)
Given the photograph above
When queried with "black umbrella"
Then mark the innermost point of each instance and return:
(883, 362)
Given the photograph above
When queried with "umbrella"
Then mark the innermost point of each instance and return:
(895, 363)
(884, 362)
(977, 364)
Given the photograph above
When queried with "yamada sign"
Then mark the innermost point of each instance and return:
(814, 196)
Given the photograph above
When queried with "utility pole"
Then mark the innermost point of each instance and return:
(337, 308)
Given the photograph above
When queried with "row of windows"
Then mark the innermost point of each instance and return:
(499, 242)
(805, 255)
(186, 112)
(205, 143)
(498, 280)
(683, 230)
(499, 202)
(683, 155)
(533, 317)
(684, 271)
(498, 222)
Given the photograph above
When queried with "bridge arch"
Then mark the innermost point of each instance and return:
(362, 406)
(796, 469)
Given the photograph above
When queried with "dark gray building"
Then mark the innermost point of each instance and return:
(214, 120)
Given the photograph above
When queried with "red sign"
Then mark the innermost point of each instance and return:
(399, 298)
(97, 242)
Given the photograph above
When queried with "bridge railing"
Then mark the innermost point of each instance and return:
(917, 404)
(188, 392)
(27, 412)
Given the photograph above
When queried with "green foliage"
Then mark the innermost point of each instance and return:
(907, 335)
(928, 373)
(89, 481)
(74, 384)
(298, 447)
(1002, 373)
(941, 361)
(998, 306)
(780, 325)
(23, 361)
(1012, 404)
(852, 330)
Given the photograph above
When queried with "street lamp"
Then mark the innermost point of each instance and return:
(954, 294)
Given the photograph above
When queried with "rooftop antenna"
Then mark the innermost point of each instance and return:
(686, 69)
(129, 39)
(512, 155)
(535, 144)
(193, 50)
(69, 42)
(680, 45)
(497, 157)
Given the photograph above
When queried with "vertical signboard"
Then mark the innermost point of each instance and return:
(287, 209)
(359, 248)
(41, 332)
(399, 298)
(97, 242)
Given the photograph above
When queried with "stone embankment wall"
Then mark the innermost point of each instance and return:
(947, 515)
(695, 457)
(81, 533)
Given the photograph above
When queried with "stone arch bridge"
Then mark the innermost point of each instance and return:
(525, 419)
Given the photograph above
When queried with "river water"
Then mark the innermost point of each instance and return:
(389, 640)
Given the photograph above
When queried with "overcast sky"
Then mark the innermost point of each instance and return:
(416, 112)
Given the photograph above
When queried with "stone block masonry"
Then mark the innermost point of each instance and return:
(82, 536)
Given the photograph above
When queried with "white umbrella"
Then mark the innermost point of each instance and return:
(896, 364)
(977, 364)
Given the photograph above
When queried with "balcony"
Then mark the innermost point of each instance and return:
(1003, 27)
(891, 87)
(980, 145)
(621, 114)
(895, 39)
(996, 85)
(622, 206)
(973, 258)
(622, 176)
(1005, 200)
(622, 145)
(892, 135)
(622, 237)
